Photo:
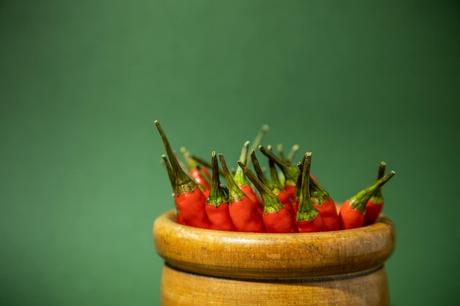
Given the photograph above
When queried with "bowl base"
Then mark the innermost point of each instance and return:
(182, 288)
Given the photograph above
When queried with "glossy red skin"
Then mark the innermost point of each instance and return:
(245, 216)
(286, 200)
(328, 213)
(249, 192)
(280, 222)
(315, 225)
(284, 196)
(372, 212)
(191, 208)
(196, 175)
(349, 217)
(206, 193)
(180, 219)
(290, 190)
(295, 207)
(287, 197)
(219, 217)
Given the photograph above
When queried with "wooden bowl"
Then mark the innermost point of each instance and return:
(209, 267)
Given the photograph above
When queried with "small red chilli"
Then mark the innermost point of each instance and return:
(190, 200)
(375, 204)
(241, 180)
(277, 218)
(198, 173)
(352, 211)
(243, 211)
(217, 205)
(308, 218)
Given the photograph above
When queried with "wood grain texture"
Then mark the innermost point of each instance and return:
(272, 256)
(182, 288)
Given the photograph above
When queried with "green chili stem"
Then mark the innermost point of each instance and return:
(381, 171)
(239, 177)
(191, 163)
(359, 200)
(257, 168)
(217, 195)
(181, 177)
(203, 174)
(276, 182)
(215, 180)
(234, 191)
(280, 149)
(259, 137)
(290, 172)
(292, 153)
(270, 200)
(201, 161)
(306, 211)
(244, 152)
(380, 174)
(165, 162)
(298, 182)
(255, 181)
(305, 204)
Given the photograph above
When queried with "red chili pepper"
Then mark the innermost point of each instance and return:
(278, 187)
(308, 218)
(285, 197)
(200, 175)
(352, 211)
(241, 180)
(375, 204)
(165, 162)
(325, 205)
(190, 201)
(322, 202)
(243, 211)
(327, 209)
(277, 218)
(217, 204)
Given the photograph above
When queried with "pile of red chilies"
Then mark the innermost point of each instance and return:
(291, 200)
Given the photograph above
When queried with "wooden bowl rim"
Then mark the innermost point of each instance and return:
(168, 218)
(294, 255)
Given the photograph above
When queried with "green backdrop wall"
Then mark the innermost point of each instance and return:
(82, 81)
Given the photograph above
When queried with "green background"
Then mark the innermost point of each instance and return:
(82, 81)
